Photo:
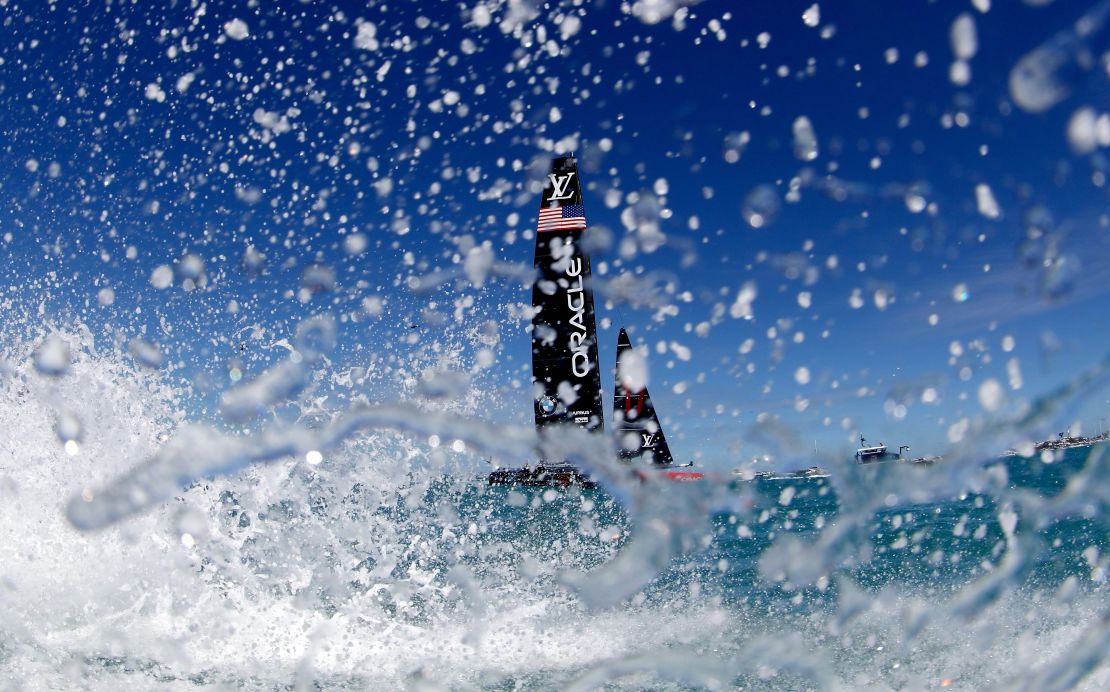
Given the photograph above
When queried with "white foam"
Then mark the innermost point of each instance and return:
(345, 573)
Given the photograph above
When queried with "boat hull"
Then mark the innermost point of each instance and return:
(541, 477)
(680, 476)
(563, 477)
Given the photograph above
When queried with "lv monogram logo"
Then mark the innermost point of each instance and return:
(561, 183)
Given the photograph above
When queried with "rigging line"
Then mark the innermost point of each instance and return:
(620, 314)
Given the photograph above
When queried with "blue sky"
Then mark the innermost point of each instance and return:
(137, 136)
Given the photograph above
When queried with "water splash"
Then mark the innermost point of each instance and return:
(1043, 77)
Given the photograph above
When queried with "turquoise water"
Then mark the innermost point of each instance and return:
(371, 570)
(940, 545)
(917, 555)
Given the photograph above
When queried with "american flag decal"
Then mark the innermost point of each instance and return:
(561, 218)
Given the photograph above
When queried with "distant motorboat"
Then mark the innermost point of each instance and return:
(810, 472)
(868, 454)
(1061, 441)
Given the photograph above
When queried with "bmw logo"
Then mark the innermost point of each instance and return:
(548, 405)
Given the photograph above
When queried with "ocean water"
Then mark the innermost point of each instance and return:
(387, 565)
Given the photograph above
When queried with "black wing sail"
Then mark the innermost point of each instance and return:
(566, 379)
(635, 423)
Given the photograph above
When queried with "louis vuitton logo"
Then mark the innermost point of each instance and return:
(561, 185)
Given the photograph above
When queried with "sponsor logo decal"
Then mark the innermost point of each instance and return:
(561, 187)
(576, 301)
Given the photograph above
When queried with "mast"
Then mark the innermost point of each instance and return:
(566, 379)
(637, 427)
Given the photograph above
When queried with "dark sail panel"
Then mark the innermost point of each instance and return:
(566, 379)
(635, 423)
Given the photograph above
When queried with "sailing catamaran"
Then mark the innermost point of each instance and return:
(566, 377)
(639, 434)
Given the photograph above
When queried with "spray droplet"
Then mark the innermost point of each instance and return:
(237, 29)
(735, 144)
(355, 244)
(318, 278)
(1088, 130)
(1059, 277)
(812, 16)
(191, 267)
(68, 428)
(916, 198)
(985, 201)
(315, 337)
(991, 395)
(964, 37)
(191, 526)
(1040, 78)
(145, 353)
(632, 371)
(805, 140)
(254, 261)
(162, 277)
(761, 206)
(52, 357)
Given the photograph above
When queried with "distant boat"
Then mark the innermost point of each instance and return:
(566, 377)
(749, 475)
(1065, 440)
(640, 438)
(867, 454)
(811, 472)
